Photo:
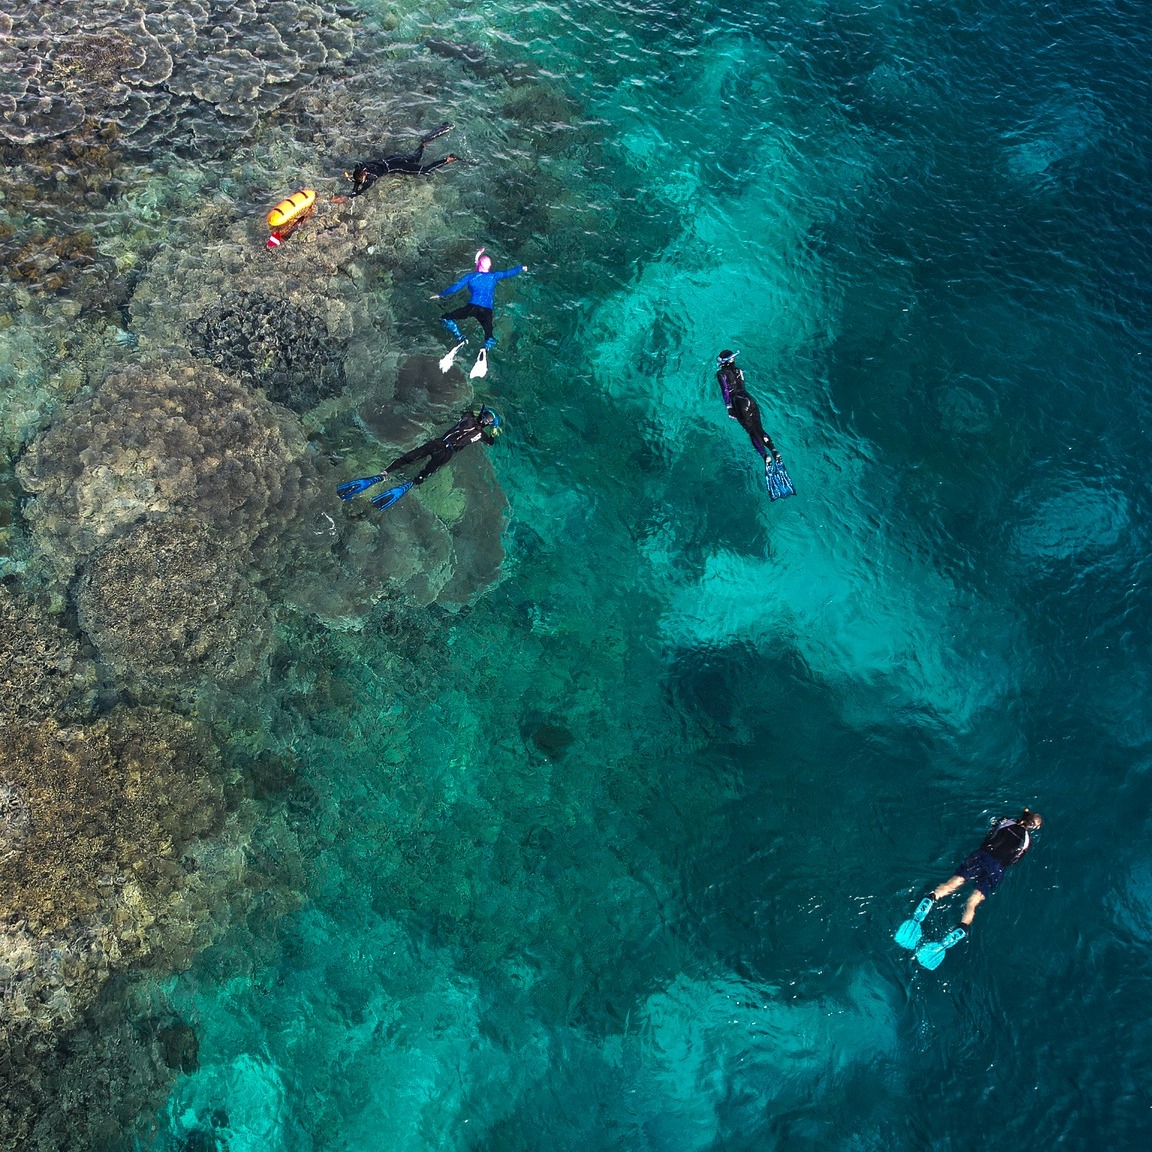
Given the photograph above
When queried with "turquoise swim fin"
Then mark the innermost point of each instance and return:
(388, 498)
(909, 933)
(931, 955)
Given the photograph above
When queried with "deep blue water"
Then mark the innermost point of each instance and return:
(665, 922)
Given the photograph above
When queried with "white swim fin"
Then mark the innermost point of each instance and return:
(446, 362)
(480, 368)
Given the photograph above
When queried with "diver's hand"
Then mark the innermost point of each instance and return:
(523, 267)
(436, 297)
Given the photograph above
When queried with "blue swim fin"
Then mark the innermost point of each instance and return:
(931, 955)
(778, 481)
(909, 933)
(355, 487)
(388, 498)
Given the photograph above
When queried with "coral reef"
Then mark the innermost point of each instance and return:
(100, 831)
(197, 71)
(46, 357)
(42, 671)
(276, 344)
(473, 514)
(105, 866)
(96, 820)
(153, 440)
(167, 608)
(304, 322)
(155, 445)
(51, 262)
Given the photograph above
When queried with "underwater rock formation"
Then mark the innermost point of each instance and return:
(421, 395)
(197, 71)
(167, 608)
(42, 671)
(155, 440)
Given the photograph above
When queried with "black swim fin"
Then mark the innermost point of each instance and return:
(436, 133)
(355, 487)
(777, 479)
(387, 499)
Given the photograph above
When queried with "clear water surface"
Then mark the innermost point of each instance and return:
(923, 227)
(615, 862)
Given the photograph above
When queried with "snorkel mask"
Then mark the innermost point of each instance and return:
(727, 356)
(483, 262)
(488, 418)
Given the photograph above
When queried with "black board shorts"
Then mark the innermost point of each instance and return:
(985, 871)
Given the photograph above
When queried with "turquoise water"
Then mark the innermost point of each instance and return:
(611, 857)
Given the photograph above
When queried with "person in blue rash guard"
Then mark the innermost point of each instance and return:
(481, 286)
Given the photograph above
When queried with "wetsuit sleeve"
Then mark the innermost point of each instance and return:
(508, 272)
(725, 389)
(461, 283)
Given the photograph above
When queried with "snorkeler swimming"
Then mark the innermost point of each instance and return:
(400, 164)
(744, 410)
(481, 285)
(1004, 846)
(471, 427)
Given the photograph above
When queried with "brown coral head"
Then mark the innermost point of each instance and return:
(168, 609)
(97, 819)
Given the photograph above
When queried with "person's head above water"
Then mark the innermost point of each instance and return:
(487, 418)
(1031, 820)
(727, 356)
(483, 262)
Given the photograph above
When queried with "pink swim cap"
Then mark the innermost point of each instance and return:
(483, 263)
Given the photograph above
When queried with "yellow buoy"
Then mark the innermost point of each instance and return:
(292, 210)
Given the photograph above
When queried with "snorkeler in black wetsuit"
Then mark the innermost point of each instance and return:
(400, 164)
(472, 426)
(741, 407)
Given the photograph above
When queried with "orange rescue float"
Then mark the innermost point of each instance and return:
(290, 214)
